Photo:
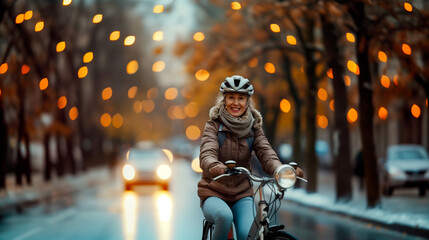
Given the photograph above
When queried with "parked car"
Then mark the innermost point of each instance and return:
(405, 166)
(146, 166)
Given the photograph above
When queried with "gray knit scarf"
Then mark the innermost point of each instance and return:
(239, 126)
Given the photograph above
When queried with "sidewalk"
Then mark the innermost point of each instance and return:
(405, 211)
(14, 198)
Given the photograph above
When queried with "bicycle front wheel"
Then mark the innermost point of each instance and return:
(279, 235)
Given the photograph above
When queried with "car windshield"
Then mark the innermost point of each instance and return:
(147, 155)
(405, 154)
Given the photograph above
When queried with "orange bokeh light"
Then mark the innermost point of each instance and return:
(285, 105)
(350, 37)
(199, 36)
(202, 75)
(269, 67)
(62, 102)
(107, 93)
(332, 105)
(43, 84)
(61, 46)
(253, 62)
(416, 111)
(352, 115)
(19, 19)
(291, 40)
(158, 66)
(235, 5)
(322, 121)
(3, 68)
(408, 7)
(193, 132)
(322, 94)
(406, 49)
(82, 72)
(275, 27)
(73, 113)
(88, 57)
(114, 35)
(171, 93)
(105, 120)
(129, 40)
(25, 69)
(158, 9)
(191, 110)
(330, 73)
(382, 113)
(39, 26)
(97, 18)
(132, 92)
(347, 80)
(132, 67)
(382, 56)
(385, 81)
(353, 67)
(117, 120)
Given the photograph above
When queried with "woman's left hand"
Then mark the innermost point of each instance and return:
(299, 172)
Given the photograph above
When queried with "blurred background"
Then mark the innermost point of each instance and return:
(84, 84)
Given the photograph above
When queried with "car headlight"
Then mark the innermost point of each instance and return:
(128, 172)
(396, 173)
(285, 176)
(164, 171)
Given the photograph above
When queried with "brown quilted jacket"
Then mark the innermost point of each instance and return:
(212, 159)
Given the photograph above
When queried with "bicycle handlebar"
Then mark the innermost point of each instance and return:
(242, 170)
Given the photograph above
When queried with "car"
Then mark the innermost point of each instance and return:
(146, 166)
(405, 165)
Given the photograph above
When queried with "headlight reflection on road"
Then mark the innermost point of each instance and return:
(129, 215)
(164, 205)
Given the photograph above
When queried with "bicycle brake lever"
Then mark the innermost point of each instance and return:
(302, 179)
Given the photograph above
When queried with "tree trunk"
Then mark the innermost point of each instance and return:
(297, 150)
(312, 163)
(4, 146)
(341, 140)
(366, 107)
(70, 155)
(27, 159)
(60, 161)
(19, 164)
(310, 71)
(48, 164)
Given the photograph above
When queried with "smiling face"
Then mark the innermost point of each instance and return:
(236, 103)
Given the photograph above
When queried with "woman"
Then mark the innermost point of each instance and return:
(230, 199)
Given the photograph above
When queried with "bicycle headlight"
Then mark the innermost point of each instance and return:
(285, 176)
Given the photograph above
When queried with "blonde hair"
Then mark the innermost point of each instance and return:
(220, 100)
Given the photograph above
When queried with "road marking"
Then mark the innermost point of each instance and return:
(61, 216)
(28, 234)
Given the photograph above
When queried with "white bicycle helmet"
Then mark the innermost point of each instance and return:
(237, 84)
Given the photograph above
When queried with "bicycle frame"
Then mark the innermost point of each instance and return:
(261, 226)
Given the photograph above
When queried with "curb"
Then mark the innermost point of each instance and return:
(409, 230)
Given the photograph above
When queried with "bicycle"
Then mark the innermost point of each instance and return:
(284, 178)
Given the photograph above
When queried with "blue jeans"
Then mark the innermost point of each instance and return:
(217, 211)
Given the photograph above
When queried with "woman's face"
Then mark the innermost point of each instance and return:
(236, 103)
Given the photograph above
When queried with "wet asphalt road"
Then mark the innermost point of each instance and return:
(108, 212)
